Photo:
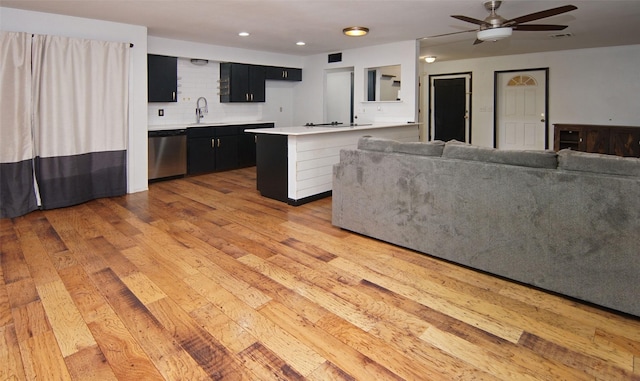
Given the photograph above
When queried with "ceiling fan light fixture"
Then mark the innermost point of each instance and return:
(355, 31)
(430, 59)
(494, 34)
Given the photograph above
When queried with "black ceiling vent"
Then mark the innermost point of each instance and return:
(335, 57)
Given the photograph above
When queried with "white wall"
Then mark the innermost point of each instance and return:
(290, 103)
(586, 86)
(309, 96)
(45, 23)
(196, 81)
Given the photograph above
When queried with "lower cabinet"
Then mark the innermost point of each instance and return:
(611, 140)
(221, 148)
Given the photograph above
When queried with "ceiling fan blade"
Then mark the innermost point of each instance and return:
(469, 19)
(477, 41)
(540, 15)
(448, 34)
(539, 27)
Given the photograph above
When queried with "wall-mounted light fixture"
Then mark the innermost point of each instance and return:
(355, 31)
(430, 59)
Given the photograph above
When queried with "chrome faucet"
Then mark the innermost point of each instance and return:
(200, 111)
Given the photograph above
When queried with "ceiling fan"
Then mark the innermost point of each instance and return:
(495, 27)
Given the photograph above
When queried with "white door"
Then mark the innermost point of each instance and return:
(338, 95)
(521, 110)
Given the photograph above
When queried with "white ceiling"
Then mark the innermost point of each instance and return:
(276, 25)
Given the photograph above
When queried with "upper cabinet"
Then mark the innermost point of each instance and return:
(283, 73)
(241, 82)
(246, 83)
(162, 74)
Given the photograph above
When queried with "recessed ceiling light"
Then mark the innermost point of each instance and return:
(243, 34)
(355, 31)
(300, 43)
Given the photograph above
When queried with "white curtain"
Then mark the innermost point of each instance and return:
(17, 195)
(78, 101)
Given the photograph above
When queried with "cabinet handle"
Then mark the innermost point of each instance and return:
(284, 74)
(218, 143)
(173, 95)
(246, 95)
(213, 144)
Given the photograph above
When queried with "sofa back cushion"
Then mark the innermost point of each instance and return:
(569, 160)
(369, 143)
(433, 148)
(534, 159)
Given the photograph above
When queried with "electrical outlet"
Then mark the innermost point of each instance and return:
(161, 112)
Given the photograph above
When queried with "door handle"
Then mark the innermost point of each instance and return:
(543, 118)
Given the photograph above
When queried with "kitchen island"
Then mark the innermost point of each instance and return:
(295, 164)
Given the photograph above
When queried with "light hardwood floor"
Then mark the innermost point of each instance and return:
(201, 278)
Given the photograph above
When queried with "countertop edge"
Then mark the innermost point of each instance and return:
(165, 127)
(313, 130)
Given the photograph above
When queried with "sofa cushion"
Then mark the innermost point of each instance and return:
(433, 148)
(598, 163)
(528, 158)
(369, 143)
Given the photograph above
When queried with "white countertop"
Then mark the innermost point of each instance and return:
(163, 127)
(312, 130)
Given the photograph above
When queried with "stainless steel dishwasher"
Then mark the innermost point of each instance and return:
(167, 154)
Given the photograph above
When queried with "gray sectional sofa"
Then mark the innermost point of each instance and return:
(567, 222)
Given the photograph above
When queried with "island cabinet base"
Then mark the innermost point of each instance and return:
(272, 172)
(295, 164)
(272, 177)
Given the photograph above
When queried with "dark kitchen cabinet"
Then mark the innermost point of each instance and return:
(611, 140)
(272, 169)
(247, 145)
(241, 82)
(220, 148)
(283, 73)
(226, 143)
(162, 72)
(201, 150)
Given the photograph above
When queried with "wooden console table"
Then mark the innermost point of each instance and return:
(611, 140)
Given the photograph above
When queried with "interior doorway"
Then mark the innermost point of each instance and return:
(338, 96)
(450, 107)
(521, 116)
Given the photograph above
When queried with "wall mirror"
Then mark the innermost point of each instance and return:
(382, 84)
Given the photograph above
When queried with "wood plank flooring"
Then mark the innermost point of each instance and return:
(202, 278)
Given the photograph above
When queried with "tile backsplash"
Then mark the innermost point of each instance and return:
(201, 81)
